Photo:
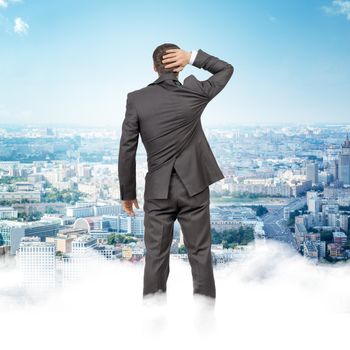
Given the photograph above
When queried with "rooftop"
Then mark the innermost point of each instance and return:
(339, 234)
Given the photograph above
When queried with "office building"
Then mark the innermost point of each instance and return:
(37, 263)
(339, 238)
(344, 162)
(312, 172)
(313, 202)
(7, 213)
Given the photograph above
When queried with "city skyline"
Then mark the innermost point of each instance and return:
(75, 63)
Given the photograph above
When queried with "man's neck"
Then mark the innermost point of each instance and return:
(176, 74)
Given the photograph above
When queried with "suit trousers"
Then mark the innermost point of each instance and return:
(193, 216)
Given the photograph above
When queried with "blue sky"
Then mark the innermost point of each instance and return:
(75, 61)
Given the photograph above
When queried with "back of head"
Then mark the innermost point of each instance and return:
(158, 57)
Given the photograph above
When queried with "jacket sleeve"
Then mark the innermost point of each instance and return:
(127, 152)
(221, 70)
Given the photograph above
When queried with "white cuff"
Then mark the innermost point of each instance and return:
(193, 56)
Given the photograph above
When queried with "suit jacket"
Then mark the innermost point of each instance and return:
(167, 115)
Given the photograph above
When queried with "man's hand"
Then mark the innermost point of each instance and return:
(127, 206)
(178, 58)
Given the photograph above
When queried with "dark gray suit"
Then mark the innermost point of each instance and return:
(167, 115)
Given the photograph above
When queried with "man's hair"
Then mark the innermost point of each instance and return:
(158, 57)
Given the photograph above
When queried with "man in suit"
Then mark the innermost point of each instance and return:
(181, 164)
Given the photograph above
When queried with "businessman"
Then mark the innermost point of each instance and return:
(181, 164)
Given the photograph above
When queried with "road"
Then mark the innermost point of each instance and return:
(275, 226)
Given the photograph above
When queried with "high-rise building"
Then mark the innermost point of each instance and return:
(313, 201)
(344, 162)
(37, 263)
(312, 172)
(339, 219)
(333, 169)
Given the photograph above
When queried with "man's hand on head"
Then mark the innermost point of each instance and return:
(127, 206)
(177, 58)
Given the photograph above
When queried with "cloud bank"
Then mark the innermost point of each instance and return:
(271, 299)
(338, 7)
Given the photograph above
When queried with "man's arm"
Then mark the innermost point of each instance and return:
(221, 70)
(127, 152)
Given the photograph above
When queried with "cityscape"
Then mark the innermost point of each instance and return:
(60, 206)
(72, 261)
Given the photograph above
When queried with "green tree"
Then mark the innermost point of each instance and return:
(182, 249)
(231, 238)
(326, 236)
(114, 238)
(111, 239)
(261, 210)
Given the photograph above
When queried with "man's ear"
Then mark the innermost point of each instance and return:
(154, 68)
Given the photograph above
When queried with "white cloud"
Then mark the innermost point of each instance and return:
(272, 299)
(20, 27)
(4, 3)
(338, 7)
